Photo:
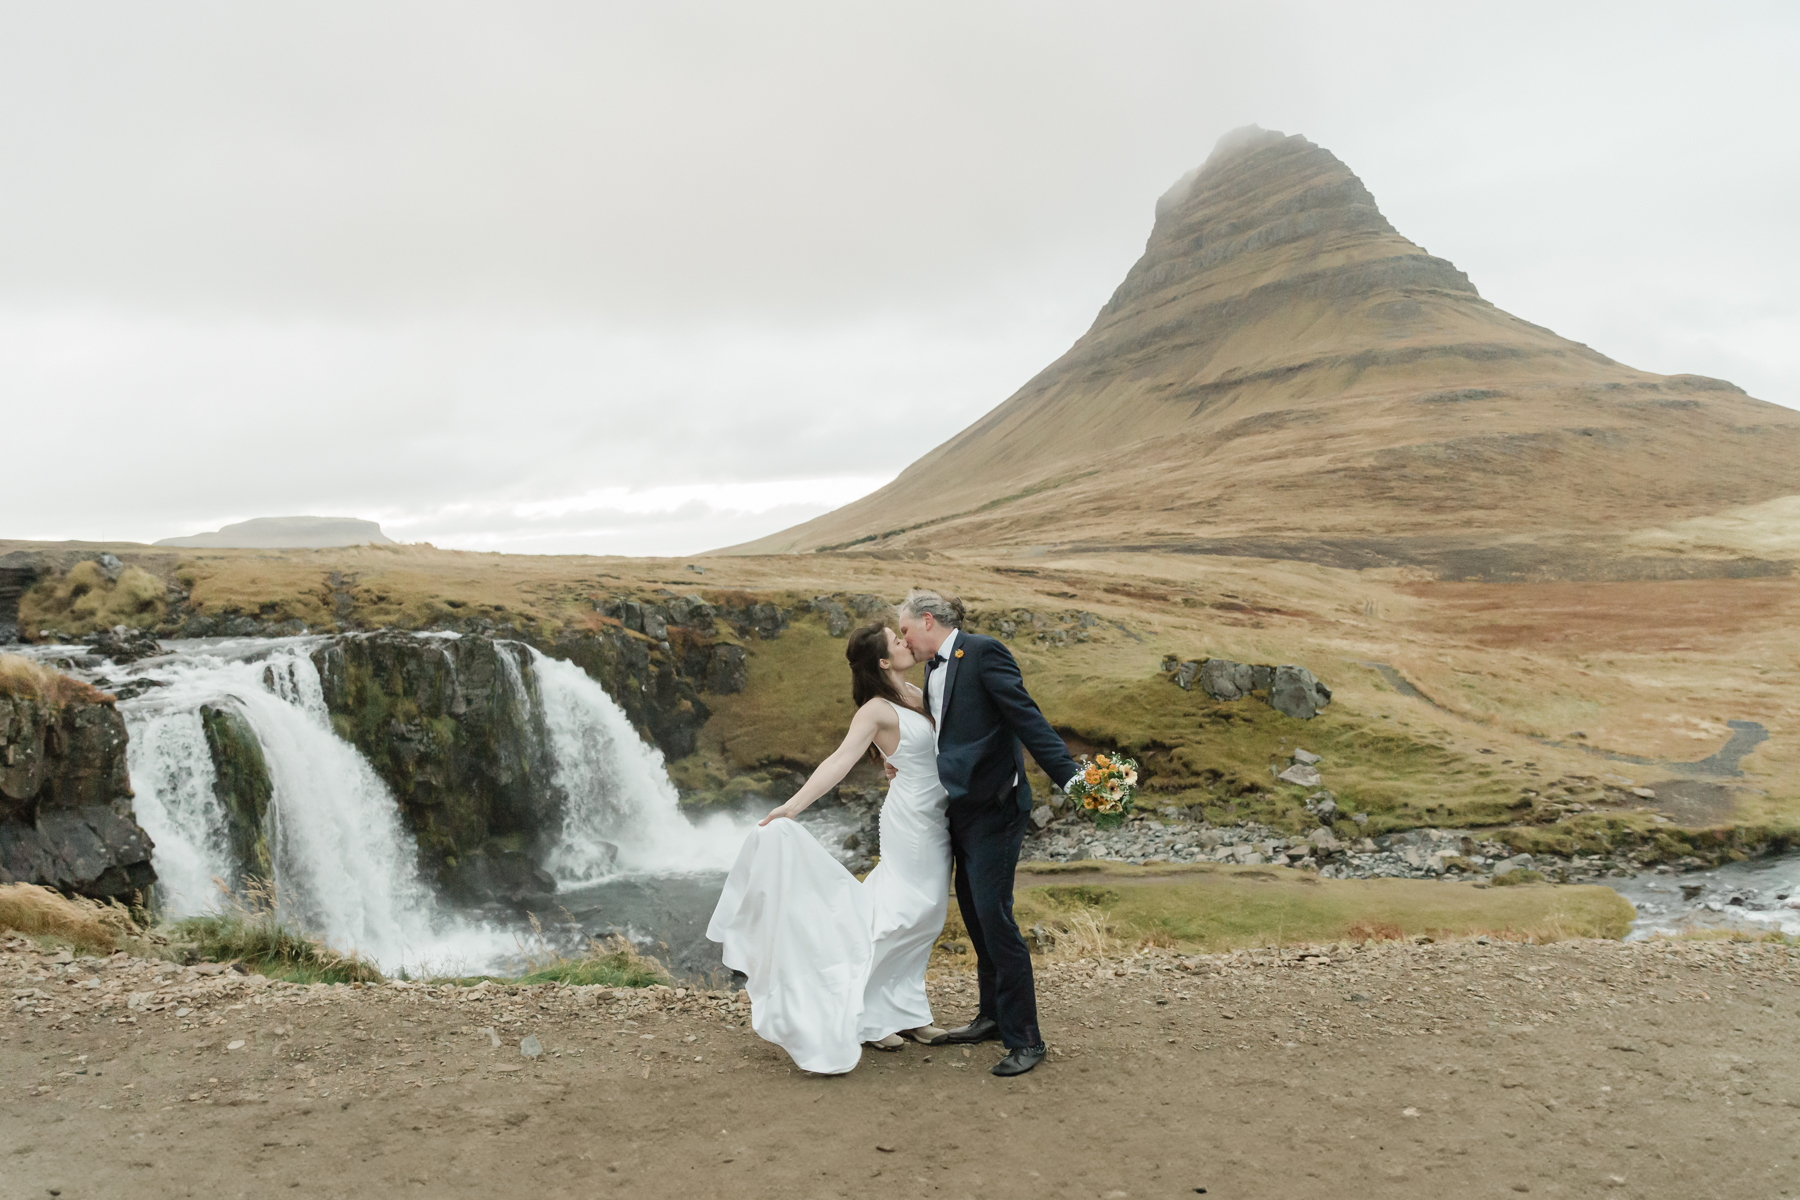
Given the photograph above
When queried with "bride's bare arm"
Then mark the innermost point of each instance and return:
(873, 716)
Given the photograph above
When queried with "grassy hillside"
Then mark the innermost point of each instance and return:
(1501, 704)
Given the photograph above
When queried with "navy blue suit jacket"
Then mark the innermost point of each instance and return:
(989, 721)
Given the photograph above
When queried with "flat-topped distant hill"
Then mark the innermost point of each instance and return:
(288, 533)
(1283, 375)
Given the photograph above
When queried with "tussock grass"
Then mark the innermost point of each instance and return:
(609, 962)
(612, 963)
(83, 600)
(1227, 908)
(1773, 937)
(83, 924)
(20, 676)
(247, 930)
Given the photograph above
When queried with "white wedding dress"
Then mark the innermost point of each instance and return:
(833, 963)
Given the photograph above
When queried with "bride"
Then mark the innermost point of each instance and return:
(833, 963)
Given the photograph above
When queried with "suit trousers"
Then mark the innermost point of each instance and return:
(984, 846)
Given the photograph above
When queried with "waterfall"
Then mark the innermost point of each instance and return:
(621, 815)
(345, 867)
(172, 775)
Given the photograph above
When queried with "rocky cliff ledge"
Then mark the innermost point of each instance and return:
(446, 724)
(65, 798)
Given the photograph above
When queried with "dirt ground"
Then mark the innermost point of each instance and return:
(1654, 1069)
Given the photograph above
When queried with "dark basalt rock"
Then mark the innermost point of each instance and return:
(442, 722)
(495, 872)
(439, 721)
(65, 801)
(17, 574)
(241, 784)
(123, 644)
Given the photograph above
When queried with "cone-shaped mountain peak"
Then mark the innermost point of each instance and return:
(1283, 374)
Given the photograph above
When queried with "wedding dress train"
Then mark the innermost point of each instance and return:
(833, 962)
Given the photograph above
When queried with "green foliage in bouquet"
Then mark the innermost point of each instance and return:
(1105, 789)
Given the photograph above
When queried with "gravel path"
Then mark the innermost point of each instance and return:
(1644, 1069)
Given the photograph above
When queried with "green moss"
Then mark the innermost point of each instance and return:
(1517, 877)
(241, 783)
(256, 939)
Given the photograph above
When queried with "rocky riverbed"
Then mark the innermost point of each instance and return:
(1415, 854)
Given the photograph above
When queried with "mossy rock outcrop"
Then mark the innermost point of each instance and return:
(65, 800)
(241, 784)
(447, 723)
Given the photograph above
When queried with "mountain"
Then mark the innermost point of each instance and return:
(289, 533)
(1283, 375)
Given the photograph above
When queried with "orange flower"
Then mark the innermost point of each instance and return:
(1092, 776)
(1100, 761)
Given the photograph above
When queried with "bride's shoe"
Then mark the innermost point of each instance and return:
(925, 1035)
(891, 1042)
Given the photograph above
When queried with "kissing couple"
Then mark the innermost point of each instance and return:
(835, 964)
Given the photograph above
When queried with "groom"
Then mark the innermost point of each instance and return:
(982, 712)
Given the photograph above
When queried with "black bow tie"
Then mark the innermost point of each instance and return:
(931, 664)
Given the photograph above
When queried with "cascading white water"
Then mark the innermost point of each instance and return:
(344, 865)
(622, 815)
(172, 776)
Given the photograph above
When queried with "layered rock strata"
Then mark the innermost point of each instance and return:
(1282, 374)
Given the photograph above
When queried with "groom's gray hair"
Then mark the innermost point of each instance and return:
(922, 602)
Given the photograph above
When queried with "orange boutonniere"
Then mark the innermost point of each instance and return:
(959, 654)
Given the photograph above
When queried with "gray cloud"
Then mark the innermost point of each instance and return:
(456, 265)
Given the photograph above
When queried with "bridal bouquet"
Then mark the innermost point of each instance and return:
(1105, 789)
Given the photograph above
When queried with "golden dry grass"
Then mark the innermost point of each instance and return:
(83, 600)
(82, 923)
(1226, 908)
(20, 676)
(1649, 669)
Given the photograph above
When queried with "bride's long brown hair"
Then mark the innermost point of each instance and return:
(864, 651)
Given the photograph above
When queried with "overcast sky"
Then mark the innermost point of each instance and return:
(653, 278)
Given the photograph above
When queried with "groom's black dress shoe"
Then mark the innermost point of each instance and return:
(981, 1029)
(1019, 1061)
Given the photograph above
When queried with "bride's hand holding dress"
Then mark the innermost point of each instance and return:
(833, 963)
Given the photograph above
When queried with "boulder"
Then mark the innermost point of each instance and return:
(690, 610)
(837, 621)
(1185, 675)
(655, 623)
(1307, 757)
(1518, 862)
(1225, 680)
(1298, 693)
(496, 873)
(124, 644)
(1301, 774)
(866, 605)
